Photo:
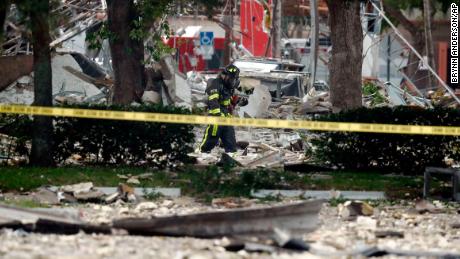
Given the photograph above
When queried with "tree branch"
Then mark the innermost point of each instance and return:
(398, 15)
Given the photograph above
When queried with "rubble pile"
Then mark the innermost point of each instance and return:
(381, 229)
(442, 98)
(79, 193)
(259, 148)
(75, 17)
(75, 80)
(401, 227)
(377, 94)
(315, 101)
(105, 213)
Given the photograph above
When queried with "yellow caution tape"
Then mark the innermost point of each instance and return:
(219, 120)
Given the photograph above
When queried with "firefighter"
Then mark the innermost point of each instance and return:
(221, 102)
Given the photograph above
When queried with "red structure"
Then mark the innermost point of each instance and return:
(186, 53)
(254, 38)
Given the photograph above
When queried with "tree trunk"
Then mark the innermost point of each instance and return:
(4, 7)
(276, 28)
(226, 59)
(127, 53)
(42, 141)
(429, 48)
(347, 51)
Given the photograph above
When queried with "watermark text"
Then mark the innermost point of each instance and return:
(454, 43)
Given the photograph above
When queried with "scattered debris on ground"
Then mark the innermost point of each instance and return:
(392, 230)
(294, 218)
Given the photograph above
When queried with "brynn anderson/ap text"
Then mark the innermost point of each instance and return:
(454, 44)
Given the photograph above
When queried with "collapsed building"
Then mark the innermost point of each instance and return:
(278, 88)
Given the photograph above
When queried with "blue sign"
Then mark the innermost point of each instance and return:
(206, 38)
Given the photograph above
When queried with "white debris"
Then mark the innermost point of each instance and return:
(151, 97)
(64, 81)
(77, 188)
(146, 206)
(25, 80)
(178, 89)
(133, 180)
(258, 103)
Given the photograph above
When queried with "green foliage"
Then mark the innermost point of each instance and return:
(370, 89)
(25, 203)
(334, 202)
(160, 49)
(215, 182)
(152, 195)
(28, 178)
(124, 142)
(150, 24)
(407, 154)
(96, 38)
(210, 182)
(113, 142)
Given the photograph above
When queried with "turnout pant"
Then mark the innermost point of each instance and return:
(215, 132)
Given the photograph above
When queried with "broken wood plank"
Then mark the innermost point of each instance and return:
(97, 82)
(270, 158)
(268, 147)
(45, 221)
(297, 219)
(91, 21)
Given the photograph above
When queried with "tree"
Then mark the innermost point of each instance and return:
(4, 7)
(347, 49)
(394, 9)
(129, 25)
(38, 13)
(127, 52)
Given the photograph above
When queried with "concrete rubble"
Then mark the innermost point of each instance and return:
(87, 193)
(262, 148)
(177, 91)
(352, 209)
(391, 230)
(297, 217)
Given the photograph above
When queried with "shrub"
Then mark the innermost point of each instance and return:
(117, 142)
(216, 182)
(19, 127)
(407, 154)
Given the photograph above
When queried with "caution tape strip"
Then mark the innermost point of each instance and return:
(243, 122)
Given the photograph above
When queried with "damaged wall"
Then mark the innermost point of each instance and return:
(14, 67)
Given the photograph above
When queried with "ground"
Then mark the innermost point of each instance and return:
(429, 232)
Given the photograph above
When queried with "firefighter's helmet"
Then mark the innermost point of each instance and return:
(232, 71)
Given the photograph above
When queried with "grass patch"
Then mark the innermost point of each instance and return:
(212, 182)
(25, 203)
(27, 178)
